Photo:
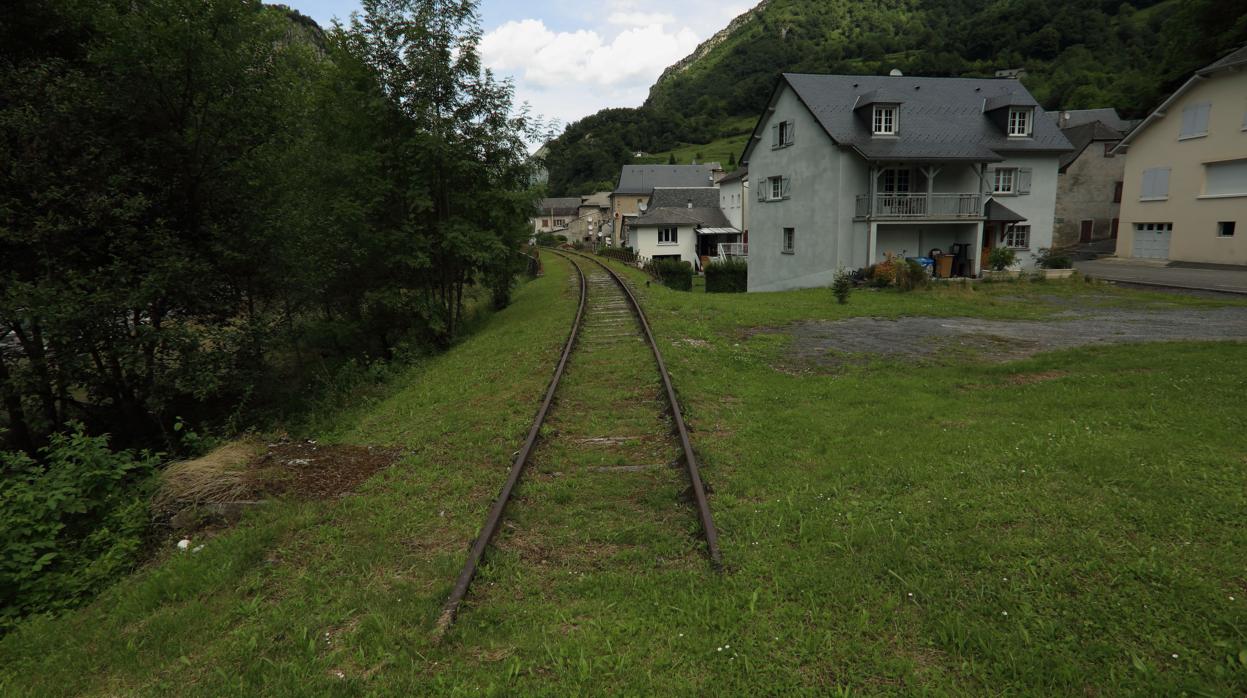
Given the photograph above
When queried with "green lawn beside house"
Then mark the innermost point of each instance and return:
(1066, 524)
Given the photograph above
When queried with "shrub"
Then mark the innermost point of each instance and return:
(672, 273)
(728, 276)
(70, 525)
(842, 287)
(910, 275)
(883, 274)
(1001, 258)
(1049, 259)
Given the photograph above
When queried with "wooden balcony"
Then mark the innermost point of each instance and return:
(912, 206)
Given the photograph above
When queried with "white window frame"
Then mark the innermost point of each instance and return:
(1221, 227)
(1021, 122)
(671, 235)
(902, 181)
(997, 179)
(788, 240)
(884, 120)
(1017, 237)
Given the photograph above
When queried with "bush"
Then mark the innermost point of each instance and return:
(729, 276)
(71, 525)
(672, 273)
(911, 275)
(842, 287)
(1001, 258)
(1049, 259)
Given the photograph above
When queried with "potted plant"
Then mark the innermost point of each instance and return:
(1000, 259)
(1054, 265)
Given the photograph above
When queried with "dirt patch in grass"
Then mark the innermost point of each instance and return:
(1040, 377)
(827, 344)
(308, 470)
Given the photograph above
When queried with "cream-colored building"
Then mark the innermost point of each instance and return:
(637, 184)
(1185, 191)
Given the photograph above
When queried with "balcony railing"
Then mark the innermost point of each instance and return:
(733, 249)
(908, 205)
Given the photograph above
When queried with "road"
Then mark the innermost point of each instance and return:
(1222, 280)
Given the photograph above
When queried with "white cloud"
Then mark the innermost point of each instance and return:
(568, 75)
(640, 19)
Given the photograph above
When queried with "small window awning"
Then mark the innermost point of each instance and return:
(999, 213)
(718, 231)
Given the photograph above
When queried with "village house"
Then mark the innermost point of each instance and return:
(554, 215)
(1185, 189)
(637, 183)
(682, 223)
(734, 200)
(1089, 184)
(593, 222)
(848, 170)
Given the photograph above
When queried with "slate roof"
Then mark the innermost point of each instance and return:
(1235, 58)
(698, 206)
(601, 199)
(1084, 135)
(999, 213)
(733, 176)
(566, 206)
(940, 119)
(643, 179)
(1078, 117)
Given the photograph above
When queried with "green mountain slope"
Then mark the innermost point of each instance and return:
(1077, 54)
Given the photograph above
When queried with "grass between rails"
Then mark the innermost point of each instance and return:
(1060, 525)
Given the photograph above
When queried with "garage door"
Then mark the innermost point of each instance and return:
(1151, 240)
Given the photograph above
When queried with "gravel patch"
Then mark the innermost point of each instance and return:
(923, 338)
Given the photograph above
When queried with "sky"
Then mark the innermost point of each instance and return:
(570, 59)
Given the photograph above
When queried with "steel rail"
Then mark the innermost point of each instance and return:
(494, 518)
(690, 458)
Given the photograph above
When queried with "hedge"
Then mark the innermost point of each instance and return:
(728, 276)
(672, 273)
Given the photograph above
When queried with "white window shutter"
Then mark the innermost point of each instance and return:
(775, 136)
(1162, 182)
(786, 187)
(1188, 122)
(1149, 184)
(1023, 185)
(792, 132)
(762, 185)
(1201, 118)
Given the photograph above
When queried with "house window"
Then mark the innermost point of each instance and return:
(1155, 184)
(1020, 122)
(1195, 121)
(1226, 178)
(558, 222)
(668, 236)
(885, 121)
(790, 240)
(1006, 178)
(545, 222)
(1017, 237)
(1117, 192)
(1225, 229)
(782, 134)
(895, 181)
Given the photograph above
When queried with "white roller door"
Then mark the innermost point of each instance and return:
(1151, 240)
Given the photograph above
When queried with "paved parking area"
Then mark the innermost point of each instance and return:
(1207, 278)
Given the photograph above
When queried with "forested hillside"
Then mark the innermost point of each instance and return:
(1077, 54)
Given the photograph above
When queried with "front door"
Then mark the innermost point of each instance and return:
(1088, 229)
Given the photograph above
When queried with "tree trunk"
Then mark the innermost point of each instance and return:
(19, 431)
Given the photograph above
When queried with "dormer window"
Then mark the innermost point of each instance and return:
(1020, 121)
(885, 120)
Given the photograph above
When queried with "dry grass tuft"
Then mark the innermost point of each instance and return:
(219, 477)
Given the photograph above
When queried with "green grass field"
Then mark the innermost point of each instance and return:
(1067, 524)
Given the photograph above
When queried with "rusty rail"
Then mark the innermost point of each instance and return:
(494, 519)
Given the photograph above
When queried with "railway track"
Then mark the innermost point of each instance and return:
(608, 320)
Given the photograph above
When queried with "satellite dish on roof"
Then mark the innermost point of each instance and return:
(896, 73)
(642, 207)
